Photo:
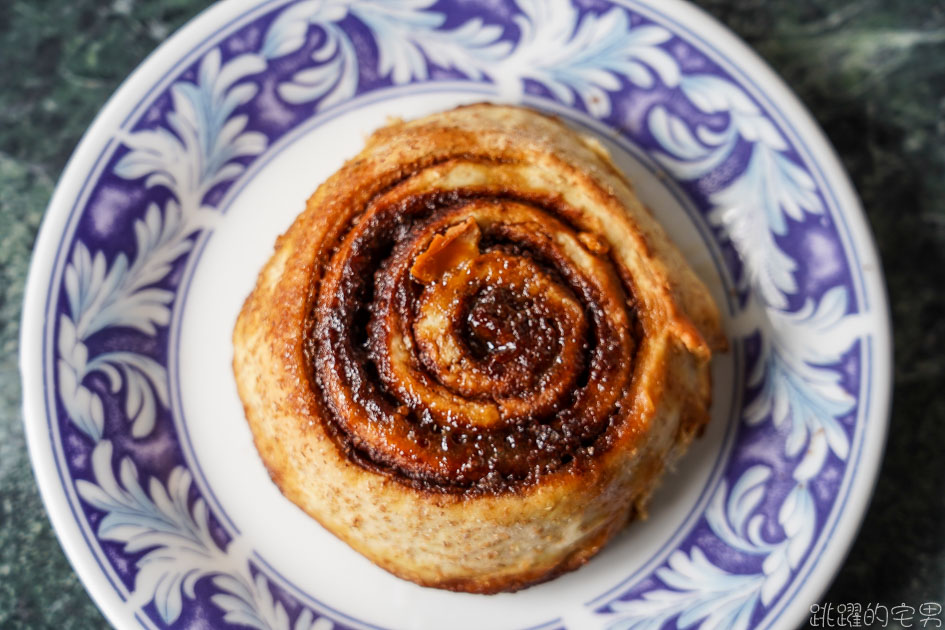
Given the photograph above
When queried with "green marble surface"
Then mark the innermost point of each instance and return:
(871, 72)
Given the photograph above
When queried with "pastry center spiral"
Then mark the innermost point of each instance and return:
(470, 338)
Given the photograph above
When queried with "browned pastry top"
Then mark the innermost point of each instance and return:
(474, 353)
(471, 340)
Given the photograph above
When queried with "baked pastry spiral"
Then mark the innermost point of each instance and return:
(475, 351)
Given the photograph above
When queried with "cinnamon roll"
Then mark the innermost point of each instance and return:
(474, 353)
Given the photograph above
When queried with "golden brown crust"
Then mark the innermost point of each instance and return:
(398, 308)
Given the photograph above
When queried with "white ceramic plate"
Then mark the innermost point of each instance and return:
(172, 203)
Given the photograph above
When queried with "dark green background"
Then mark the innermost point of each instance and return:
(871, 72)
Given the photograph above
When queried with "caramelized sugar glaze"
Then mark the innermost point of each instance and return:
(474, 353)
(467, 340)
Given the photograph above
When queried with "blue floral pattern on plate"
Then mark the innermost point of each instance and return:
(799, 319)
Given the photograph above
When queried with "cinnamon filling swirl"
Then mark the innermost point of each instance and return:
(470, 339)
